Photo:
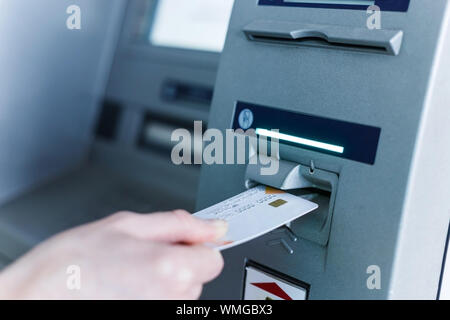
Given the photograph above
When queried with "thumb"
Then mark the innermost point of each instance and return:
(177, 226)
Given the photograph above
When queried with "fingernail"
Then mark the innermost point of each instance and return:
(221, 227)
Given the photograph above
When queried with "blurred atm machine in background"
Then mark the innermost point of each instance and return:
(363, 118)
(161, 78)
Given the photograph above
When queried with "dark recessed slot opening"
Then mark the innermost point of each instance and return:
(109, 120)
(319, 196)
(173, 91)
(319, 42)
(304, 193)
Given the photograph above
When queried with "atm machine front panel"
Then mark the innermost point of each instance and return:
(317, 64)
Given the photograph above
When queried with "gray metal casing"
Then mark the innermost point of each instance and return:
(394, 214)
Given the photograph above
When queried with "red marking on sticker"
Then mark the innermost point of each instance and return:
(273, 288)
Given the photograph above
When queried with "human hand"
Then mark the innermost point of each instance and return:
(125, 256)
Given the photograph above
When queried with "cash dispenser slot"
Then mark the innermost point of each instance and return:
(314, 184)
(176, 91)
(326, 36)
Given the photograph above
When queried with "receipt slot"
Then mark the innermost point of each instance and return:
(369, 109)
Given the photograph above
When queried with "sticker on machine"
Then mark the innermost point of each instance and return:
(254, 213)
(260, 285)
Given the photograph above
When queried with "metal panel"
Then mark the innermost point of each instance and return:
(391, 216)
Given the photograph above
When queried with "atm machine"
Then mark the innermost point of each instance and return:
(161, 78)
(364, 131)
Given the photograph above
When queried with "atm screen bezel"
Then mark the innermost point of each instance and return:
(385, 5)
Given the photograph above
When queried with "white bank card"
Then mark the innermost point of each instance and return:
(255, 212)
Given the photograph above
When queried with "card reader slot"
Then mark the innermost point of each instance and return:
(326, 36)
(319, 186)
(308, 226)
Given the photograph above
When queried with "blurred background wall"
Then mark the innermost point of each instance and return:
(51, 79)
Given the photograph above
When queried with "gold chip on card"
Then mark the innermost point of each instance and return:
(277, 203)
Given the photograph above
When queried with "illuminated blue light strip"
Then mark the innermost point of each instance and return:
(303, 141)
(335, 2)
